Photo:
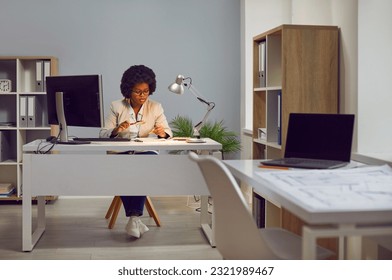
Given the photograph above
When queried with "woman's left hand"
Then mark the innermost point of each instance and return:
(159, 130)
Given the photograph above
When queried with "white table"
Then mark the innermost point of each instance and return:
(88, 170)
(343, 222)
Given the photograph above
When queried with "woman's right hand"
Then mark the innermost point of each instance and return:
(123, 126)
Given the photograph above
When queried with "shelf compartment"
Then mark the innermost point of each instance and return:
(274, 60)
(8, 108)
(27, 75)
(273, 116)
(8, 71)
(259, 109)
(8, 146)
(40, 109)
(8, 174)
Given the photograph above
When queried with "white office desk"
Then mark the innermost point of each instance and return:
(348, 222)
(88, 170)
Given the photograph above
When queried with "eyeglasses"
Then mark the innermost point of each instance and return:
(140, 92)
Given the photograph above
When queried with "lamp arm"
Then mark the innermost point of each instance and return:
(193, 90)
(210, 106)
(203, 101)
(198, 126)
(196, 93)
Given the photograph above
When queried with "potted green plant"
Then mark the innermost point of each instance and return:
(183, 127)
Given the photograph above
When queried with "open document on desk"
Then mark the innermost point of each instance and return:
(360, 188)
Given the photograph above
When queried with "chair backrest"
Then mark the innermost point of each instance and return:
(236, 233)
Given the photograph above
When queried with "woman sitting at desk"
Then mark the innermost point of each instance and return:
(133, 116)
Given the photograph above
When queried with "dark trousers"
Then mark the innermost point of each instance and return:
(133, 205)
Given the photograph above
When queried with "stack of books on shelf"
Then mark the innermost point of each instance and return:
(6, 189)
(8, 124)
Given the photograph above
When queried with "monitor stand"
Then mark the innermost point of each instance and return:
(63, 124)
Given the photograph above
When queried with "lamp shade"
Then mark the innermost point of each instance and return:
(177, 87)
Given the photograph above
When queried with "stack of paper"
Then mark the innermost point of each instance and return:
(6, 189)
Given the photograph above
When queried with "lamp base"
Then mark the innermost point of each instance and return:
(195, 140)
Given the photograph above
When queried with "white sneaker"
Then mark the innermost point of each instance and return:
(135, 227)
(132, 227)
(142, 227)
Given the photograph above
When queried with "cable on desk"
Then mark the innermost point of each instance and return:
(40, 150)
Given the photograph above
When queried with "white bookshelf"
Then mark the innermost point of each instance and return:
(22, 72)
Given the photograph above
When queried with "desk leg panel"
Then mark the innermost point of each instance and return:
(207, 225)
(29, 239)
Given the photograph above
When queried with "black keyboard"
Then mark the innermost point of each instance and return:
(72, 142)
(102, 139)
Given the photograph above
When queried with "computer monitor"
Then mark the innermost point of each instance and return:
(74, 101)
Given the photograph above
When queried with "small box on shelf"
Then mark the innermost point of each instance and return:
(262, 134)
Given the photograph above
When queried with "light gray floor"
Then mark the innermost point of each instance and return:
(76, 229)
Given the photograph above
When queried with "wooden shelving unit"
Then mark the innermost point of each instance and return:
(300, 66)
(295, 69)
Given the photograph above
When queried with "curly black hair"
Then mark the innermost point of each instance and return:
(137, 74)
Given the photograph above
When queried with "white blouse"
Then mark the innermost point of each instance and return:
(151, 114)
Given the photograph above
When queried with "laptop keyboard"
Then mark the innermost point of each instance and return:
(316, 162)
(305, 163)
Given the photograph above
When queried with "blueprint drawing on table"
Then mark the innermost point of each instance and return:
(360, 188)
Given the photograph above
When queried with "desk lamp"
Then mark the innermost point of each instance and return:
(178, 88)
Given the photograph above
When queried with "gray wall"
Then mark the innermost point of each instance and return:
(374, 79)
(197, 38)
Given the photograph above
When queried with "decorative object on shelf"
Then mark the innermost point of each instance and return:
(183, 127)
(178, 88)
(5, 85)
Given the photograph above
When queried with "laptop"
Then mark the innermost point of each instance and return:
(317, 141)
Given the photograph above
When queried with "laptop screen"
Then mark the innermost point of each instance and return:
(320, 136)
